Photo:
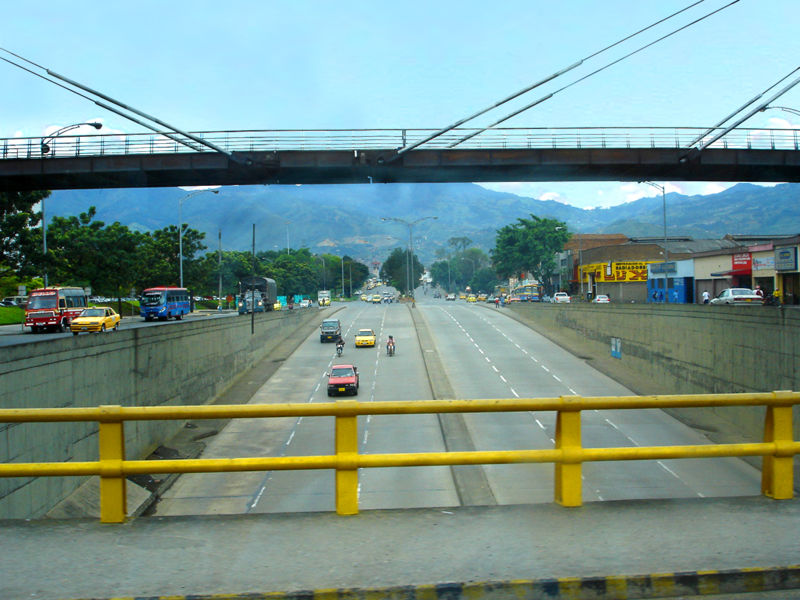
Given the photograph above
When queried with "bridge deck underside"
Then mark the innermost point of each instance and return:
(376, 166)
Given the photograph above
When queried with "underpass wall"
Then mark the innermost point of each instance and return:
(685, 349)
(165, 365)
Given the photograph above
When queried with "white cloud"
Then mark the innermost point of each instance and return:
(555, 196)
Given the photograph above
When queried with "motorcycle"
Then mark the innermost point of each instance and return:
(339, 349)
(389, 349)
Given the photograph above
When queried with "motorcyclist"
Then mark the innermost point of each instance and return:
(339, 344)
(390, 345)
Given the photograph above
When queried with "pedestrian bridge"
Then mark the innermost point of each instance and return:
(385, 156)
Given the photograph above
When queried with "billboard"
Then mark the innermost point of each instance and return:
(618, 271)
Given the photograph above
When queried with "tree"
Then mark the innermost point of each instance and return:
(529, 246)
(86, 252)
(395, 269)
(20, 240)
(459, 243)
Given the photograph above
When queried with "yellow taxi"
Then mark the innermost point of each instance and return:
(365, 338)
(482, 297)
(364, 297)
(97, 318)
(377, 298)
(462, 296)
(472, 298)
(277, 306)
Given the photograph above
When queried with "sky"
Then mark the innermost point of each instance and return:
(203, 65)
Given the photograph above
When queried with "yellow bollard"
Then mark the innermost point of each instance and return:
(113, 495)
(346, 451)
(568, 482)
(777, 476)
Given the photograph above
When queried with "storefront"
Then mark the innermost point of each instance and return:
(624, 281)
(787, 276)
(671, 282)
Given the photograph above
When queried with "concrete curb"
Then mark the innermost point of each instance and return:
(621, 587)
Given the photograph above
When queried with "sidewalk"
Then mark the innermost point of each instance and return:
(607, 549)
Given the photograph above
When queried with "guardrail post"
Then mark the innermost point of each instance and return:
(777, 474)
(346, 448)
(568, 482)
(113, 495)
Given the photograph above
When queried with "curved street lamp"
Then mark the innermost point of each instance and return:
(794, 111)
(45, 149)
(180, 227)
(409, 260)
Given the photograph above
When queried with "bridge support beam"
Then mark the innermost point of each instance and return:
(568, 480)
(777, 473)
(113, 495)
(346, 478)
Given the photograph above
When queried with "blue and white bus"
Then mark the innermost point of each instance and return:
(164, 302)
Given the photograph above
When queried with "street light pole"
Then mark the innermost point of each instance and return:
(45, 149)
(664, 206)
(180, 227)
(409, 259)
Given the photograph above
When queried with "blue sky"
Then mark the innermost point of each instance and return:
(205, 65)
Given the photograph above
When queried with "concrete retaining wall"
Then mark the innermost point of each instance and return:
(685, 349)
(181, 364)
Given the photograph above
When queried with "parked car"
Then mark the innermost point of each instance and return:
(99, 318)
(561, 298)
(737, 296)
(343, 379)
(601, 299)
(365, 338)
(20, 301)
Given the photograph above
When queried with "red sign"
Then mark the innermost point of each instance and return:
(742, 263)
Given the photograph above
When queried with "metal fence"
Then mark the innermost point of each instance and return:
(392, 139)
(568, 453)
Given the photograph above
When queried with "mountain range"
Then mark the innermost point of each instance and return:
(357, 220)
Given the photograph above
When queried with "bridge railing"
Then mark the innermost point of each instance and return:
(568, 453)
(70, 146)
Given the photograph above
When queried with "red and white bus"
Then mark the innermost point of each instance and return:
(53, 308)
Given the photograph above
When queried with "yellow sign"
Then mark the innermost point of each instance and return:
(630, 271)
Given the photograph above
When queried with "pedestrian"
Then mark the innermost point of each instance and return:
(706, 297)
(759, 291)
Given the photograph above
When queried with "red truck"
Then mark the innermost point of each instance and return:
(343, 379)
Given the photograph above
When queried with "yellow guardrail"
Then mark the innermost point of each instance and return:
(778, 447)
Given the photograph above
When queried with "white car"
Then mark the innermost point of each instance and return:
(738, 296)
(561, 298)
(601, 299)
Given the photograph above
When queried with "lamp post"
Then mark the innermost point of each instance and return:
(180, 227)
(664, 205)
(45, 149)
(794, 111)
(409, 259)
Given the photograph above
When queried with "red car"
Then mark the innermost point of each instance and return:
(343, 379)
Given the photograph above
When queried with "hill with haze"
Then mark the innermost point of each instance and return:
(347, 219)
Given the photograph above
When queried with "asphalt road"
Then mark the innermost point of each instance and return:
(485, 354)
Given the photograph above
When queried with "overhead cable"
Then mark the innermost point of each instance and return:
(761, 106)
(595, 72)
(745, 105)
(541, 82)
